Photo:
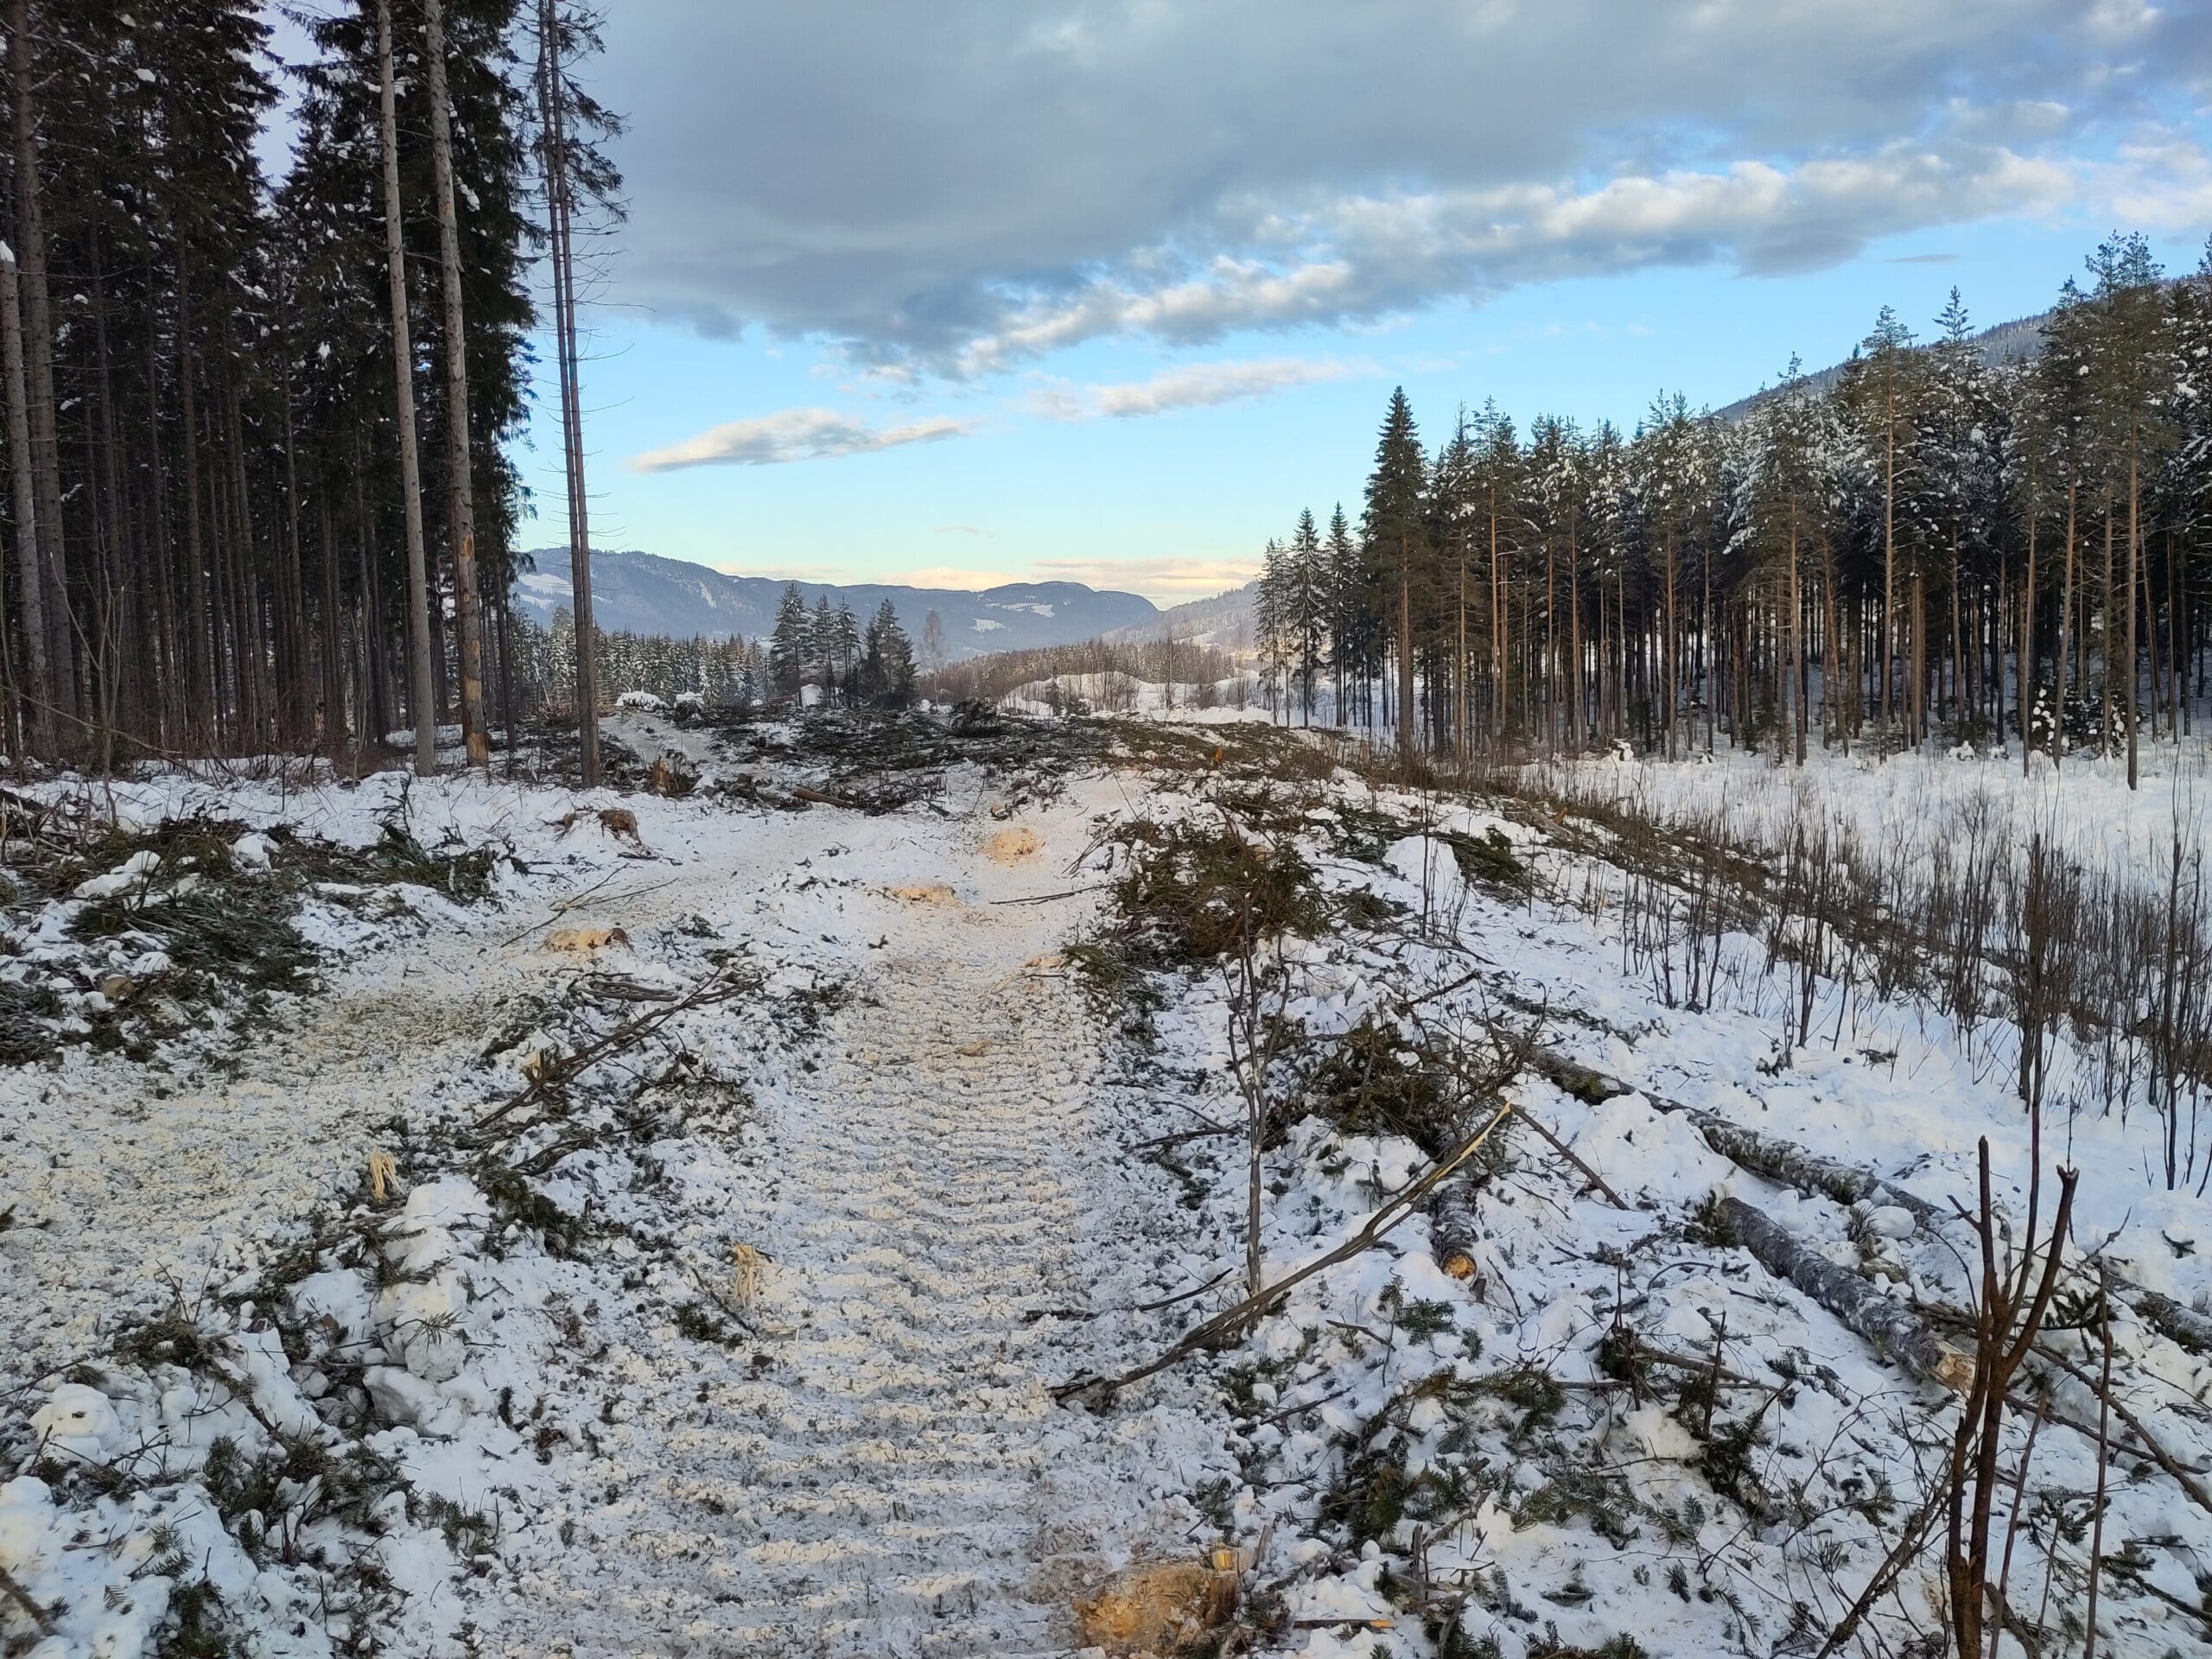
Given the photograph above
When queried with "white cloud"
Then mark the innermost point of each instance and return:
(2162, 181)
(1194, 385)
(793, 435)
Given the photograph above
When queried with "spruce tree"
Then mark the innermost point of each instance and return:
(788, 650)
(1395, 534)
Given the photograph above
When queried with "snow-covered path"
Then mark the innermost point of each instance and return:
(882, 1472)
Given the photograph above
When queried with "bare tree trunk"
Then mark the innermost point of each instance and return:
(564, 311)
(37, 323)
(1405, 655)
(39, 692)
(467, 622)
(410, 469)
(2134, 553)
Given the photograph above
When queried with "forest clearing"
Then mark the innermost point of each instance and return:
(747, 1219)
(785, 875)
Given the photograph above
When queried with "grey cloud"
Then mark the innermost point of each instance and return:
(791, 435)
(910, 180)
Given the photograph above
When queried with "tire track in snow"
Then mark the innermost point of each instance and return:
(892, 1478)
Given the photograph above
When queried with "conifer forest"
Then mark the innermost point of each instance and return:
(1920, 545)
(262, 498)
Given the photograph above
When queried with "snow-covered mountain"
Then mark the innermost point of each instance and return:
(643, 593)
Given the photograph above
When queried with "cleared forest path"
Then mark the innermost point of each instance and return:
(884, 1473)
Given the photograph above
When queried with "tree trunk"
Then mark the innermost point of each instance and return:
(38, 691)
(467, 620)
(1893, 1329)
(411, 474)
(553, 101)
(37, 322)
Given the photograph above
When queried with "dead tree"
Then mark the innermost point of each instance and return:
(2008, 1313)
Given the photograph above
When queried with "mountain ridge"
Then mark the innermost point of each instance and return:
(640, 592)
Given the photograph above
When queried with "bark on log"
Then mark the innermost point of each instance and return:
(2187, 1327)
(1895, 1330)
(1453, 1229)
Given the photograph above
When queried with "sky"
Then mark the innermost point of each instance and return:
(1108, 290)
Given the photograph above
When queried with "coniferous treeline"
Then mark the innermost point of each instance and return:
(828, 648)
(1934, 549)
(205, 517)
(732, 672)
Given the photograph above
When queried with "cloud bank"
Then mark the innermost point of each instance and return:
(962, 188)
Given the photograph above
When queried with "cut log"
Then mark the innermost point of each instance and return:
(2187, 1327)
(1895, 1330)
(1454, 1230)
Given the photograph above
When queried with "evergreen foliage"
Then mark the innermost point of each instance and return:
(1906, 553)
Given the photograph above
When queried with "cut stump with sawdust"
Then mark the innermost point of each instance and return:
(1012, 844)
(585, 941)
(1157, 1612)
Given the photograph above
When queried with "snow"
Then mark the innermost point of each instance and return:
(787, 1388)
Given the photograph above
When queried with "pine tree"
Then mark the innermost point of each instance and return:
(1341, 589)
(1305, 614)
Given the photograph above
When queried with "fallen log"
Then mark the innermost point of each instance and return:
(1895, 1330)
(1776, 1159)
(1790, 1165)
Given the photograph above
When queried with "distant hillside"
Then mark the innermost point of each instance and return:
(1224, 620)
(643, 593)
(2008, 343)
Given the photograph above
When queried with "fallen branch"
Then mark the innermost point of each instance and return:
(1048, 897)
(39, 1617)
(1785, 1162)
(2182, 1475)
(622, 1038)
(1227, 1325)
(1551, 1139)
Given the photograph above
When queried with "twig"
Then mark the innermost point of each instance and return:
(1552, 1140)
(2189, 1483)
(623, 1037)
(1047, 898)
(1908, 1541)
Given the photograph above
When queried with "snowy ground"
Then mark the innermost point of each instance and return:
(381, 1316)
